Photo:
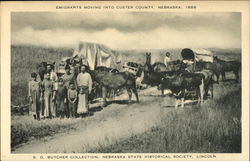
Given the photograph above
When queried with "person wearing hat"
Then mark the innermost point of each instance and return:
(34, 94)
(53, 75)
(167, 58)
(68, 77)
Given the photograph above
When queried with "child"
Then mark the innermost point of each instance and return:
(72, 98)
(34, 94)
(61, 99)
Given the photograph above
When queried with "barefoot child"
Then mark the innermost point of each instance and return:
(72, 98)
(61, 99)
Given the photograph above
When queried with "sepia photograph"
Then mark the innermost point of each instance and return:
(97, 83)
(126, 82)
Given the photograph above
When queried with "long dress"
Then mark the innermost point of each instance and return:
(61, 96)
(50, 109)
(83, 106)
(84, 83)
(34, 93)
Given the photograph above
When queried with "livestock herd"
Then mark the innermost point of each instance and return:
(184, 80)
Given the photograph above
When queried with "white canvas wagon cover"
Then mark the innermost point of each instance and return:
(94, 54)
(197, 54)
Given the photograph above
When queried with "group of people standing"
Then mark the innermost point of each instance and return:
(66, 96)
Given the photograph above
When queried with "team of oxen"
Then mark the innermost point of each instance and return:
(175, 76)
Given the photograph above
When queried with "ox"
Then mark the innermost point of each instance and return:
(116, 81)
(181, 82)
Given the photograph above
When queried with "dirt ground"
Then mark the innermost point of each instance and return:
(110, 124)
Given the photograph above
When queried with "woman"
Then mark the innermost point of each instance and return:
(34, 95)
(49, 97)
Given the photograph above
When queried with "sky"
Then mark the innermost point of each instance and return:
(127, 30)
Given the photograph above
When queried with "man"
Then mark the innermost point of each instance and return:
(53, 76)
(167, 58)
(68, 77)
(84, 84)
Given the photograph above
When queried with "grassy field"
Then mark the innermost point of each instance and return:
(213, 128)
(25, 58)
(25, 128)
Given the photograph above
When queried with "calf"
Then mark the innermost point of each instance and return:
(181, 82)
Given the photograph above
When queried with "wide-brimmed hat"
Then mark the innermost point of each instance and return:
(168, 54)
(33, 75)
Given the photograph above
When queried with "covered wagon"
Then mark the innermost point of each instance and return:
(191, 56)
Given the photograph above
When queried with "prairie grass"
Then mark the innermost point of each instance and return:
(212, 128)
(216, 127)
(24, 60)
(24, 128)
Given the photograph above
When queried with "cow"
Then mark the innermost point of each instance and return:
(179, 83)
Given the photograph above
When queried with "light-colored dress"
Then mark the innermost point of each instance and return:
(35, 93)
(84, 83)
(50, 109)
(82, 104)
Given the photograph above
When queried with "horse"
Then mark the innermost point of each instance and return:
(159, 67)
(215, 68)
(228, 66)
(150, 76)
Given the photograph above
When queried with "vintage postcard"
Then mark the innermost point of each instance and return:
(148, 80)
